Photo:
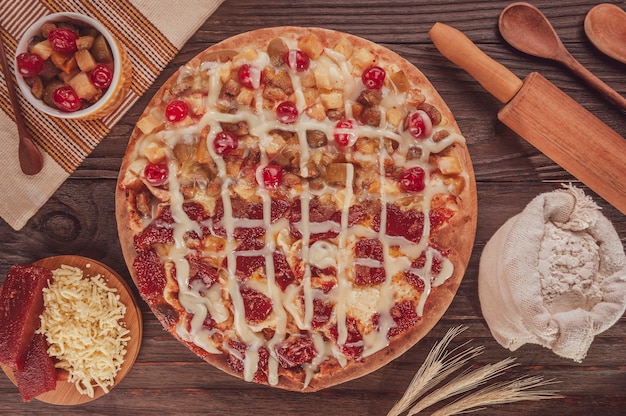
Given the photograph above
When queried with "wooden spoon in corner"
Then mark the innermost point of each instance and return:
(31, 159)
(605, 26)
(527, 29)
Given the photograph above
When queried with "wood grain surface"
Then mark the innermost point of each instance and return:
(168, 379)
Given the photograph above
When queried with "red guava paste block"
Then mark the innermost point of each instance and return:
(21, 303)
(39, 375)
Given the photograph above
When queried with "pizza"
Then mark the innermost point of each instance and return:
(297, 206)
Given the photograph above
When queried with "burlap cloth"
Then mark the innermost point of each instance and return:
(553, 275)
(152, 33)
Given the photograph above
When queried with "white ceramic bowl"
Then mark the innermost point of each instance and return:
(122, 71)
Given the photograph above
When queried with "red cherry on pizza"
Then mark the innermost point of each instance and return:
(269, 176)
(63, 40)
(419, 124)
(66, 99)
(412, 179)
(344, 132)
(224, 142)
(249, 76)
(297, 60)
(373, 78)
(287, 112)
(156, 173)
(29, 64)
(176, 110)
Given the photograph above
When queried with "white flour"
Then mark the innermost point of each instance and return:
(553, 275)
(569, 269)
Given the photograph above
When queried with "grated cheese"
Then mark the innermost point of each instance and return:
(82, 324)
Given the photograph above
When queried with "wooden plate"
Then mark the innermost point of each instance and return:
(66, 393)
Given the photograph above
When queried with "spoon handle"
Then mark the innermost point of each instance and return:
(579, 69)
(19, 120)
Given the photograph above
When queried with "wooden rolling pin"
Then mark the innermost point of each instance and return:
(546, 117)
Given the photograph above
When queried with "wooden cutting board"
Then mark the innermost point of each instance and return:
(66, 393)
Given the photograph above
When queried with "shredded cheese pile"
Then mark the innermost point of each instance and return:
(82, 324)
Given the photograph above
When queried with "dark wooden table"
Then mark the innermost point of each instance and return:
(168, 379)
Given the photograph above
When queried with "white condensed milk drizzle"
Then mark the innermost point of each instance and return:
(325, 305)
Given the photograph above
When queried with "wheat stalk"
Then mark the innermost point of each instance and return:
(437, 366)
(440, 364)
(499, 393)
(463, 383)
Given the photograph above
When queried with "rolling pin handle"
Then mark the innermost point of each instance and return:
(493, 76)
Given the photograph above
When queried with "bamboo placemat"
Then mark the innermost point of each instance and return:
(152, 36)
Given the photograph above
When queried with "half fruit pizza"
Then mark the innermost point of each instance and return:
(297, 206)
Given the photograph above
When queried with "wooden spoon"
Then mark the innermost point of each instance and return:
(31, 159)
(524, 27)
(605, 26)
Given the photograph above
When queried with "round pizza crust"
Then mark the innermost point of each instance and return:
(457, 236)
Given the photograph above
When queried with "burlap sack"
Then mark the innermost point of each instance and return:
(553, 275)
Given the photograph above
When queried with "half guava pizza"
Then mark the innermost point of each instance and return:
(297, 206)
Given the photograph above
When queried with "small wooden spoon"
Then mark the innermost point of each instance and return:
(524, 27)
(31, 159)
(605, 26)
